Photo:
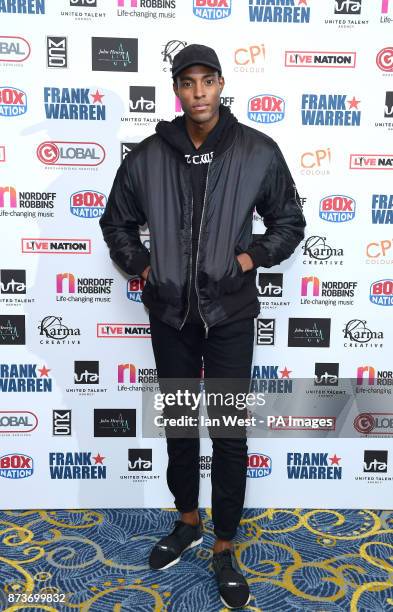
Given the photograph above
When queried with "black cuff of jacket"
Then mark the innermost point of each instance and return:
(139, 262)
(260, 256)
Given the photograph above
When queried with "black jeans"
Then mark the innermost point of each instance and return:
(227, 354)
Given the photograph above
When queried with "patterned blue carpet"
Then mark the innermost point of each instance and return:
(296, 560)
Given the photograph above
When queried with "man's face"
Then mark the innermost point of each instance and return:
(198, 89)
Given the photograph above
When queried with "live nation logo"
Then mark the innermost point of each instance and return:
(364, 161)
(86, 379)
(270, 289)
(59, 246)
(320, 59)
(123, 330)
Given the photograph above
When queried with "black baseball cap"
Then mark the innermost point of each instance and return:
(195, 54)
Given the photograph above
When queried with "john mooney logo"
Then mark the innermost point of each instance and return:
(114, 54)
(330, 109)
(77, 104)
(279, 11)
(212, 9)
(266, 108)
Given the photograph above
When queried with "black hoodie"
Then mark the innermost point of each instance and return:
(218, 140)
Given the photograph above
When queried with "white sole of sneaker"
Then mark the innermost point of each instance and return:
(237, 607)
(194, 543)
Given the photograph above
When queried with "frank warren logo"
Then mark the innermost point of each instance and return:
(123, 330)
(337, 208)
(78, 104)
(269, 379)
(23, 7)
(258, 465)
(381, 292)
(13, 102)
(24, 378)
(14, 49)
(60, 246)
(212, 9)
(73, 154)
(382, 208)
(87, 204)
(266, 108)
(77, 466)
(279, 11)
(114, 54)
(320, 59)
(330, 109)
(16, 465)
(313, 466)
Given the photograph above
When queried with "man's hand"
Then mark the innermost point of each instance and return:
(245, 261)
(145, 272)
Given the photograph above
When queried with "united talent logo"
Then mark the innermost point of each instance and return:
(16, 465)
(308, 333)
(140, 460)
(313, 466)
(382, 208)
(357, 334)
(320, 59)
(12, 329)
(370, 162)
(330, 109)
(258, 465)
(266, 108)
(23, 378)
(277, 11)
(266, 330)
(381, 292)
(212, 9)
(269, 379)
(77, 466)
(337, 208)
(76, 103)
(56, 52)
(76, 154)
(87, 204)
(170, 49)
(14, 49)
(384, 59)
(316, 162)
(347, 7)
(13, 282)
(123, 330)
(84, 3)
(61, 422)
(388, 111)
(142, 99)
(320, 253)
(250, 59)
(33, 7)
(60, 246)
(53, 331)
(375, 461)
(13, 102)
(270, 284)
(114, 423)
(86, 372)
(17, 422)
(114, 54)
(326, 374)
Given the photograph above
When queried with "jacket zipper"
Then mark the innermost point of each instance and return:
(189, 278)
(196, 263)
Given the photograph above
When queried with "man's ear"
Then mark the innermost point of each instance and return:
(221, 80)
(175, 89)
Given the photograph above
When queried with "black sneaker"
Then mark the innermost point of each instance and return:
(168, 550)
(233, 587)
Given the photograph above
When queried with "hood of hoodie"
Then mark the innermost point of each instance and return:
(218, 140)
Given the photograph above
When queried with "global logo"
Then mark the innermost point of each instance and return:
(87, 204)
(337, 208)
(266, 108)
(15, 466)
(17, 421)
(14, 49)
(258, 465)
(212, 9)
(64, 153)
(381, 292)
(384, 59)
(13, 102)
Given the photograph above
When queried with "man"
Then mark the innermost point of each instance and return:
(196, 183)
